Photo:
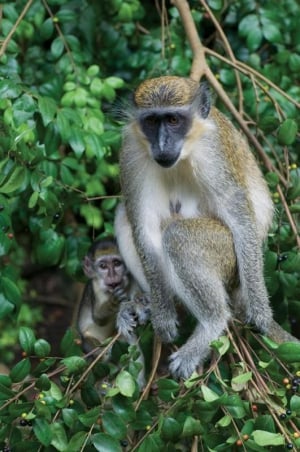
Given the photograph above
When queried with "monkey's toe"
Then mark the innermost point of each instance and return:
(182, 364)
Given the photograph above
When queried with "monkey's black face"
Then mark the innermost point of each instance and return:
(165, 131)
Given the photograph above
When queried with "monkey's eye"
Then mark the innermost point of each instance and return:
(103, 266)
(173, 120)
(117, 263)
(150, 120)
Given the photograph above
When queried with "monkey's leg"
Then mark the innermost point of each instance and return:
(248, 250)
(199, 264)
(207, 300)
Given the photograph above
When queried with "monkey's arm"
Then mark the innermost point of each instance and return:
(150, 275)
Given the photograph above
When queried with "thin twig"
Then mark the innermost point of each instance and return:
(15, 26)
(155, 361)
(289, 215)
(229, 51)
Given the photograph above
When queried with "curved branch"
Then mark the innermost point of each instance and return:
(199, 64)
(200, 68)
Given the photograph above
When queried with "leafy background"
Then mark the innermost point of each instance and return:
(64, 67)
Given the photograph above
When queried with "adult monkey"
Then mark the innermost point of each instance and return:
(185, 170)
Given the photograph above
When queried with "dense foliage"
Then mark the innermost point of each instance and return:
(63, 65)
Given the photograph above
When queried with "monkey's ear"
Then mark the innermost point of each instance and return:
(88, 267)
(204, 100)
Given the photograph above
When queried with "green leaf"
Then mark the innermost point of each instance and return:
(224, 421)
(113, 425)
(42, 431)
(287, 132)
(105, 443)
(295, 404)
(222, 345)
(59, 438)
(33, 199)
(42, 348)
(5, 245)
(96, 86)
(74, 364)
(27, 339)
(152, 443)
(76, 442)
(15, 180)
(24, 109)
(114, 82)
(249, 27)
(170, 429)
(47, 28)
(289, 352)
(263, 438)
(242, 379)
(294, 62)
(295, 208)
(167, 389)
(20, 370)
(5, 393)
(11, 290)
(291, 263)
(63, 124)
(47, 108)
(6, 307)
(9, 89)
(235, 406)
(43, 383)
(90, 396)
(76, 141)
(271, 31)
(126, 384)
(192, 427)
(123, 407)
(215, 4)
(54, 392)
(70, 417)
(208, 394)
(90, 417)
(49, 251)
(57, 47)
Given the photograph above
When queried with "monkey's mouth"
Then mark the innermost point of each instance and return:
(166, 160)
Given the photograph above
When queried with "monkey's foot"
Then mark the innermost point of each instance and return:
(165, 327)
(183, 364)
(142, 309)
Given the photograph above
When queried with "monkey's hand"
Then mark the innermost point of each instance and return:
(126, 319)
(165, 325)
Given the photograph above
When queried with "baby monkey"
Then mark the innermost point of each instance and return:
(111, 299)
